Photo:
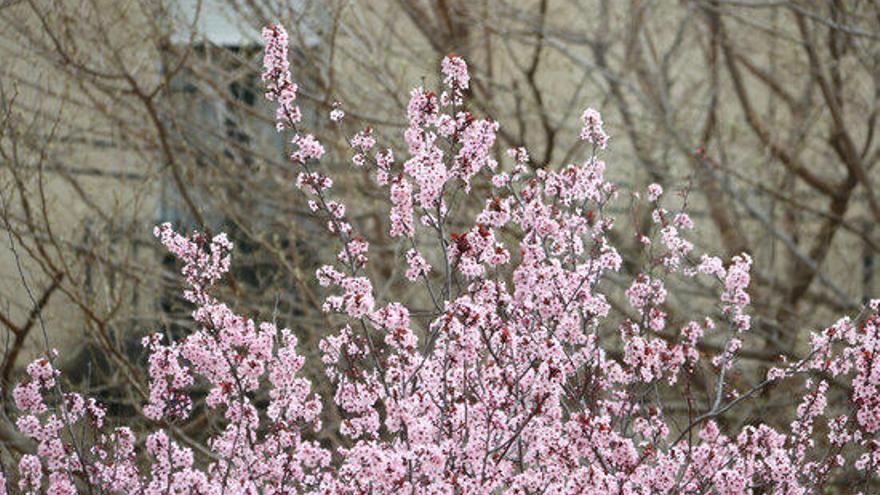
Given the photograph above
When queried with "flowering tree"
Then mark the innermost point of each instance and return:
(523, 378)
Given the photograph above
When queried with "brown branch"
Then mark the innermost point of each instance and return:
(22, 331)
(789, 160)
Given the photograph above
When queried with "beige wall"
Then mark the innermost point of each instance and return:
(75, 153)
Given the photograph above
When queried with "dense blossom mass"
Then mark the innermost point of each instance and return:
(526, 380)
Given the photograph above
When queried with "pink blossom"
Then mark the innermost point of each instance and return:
(276, 75)
(510, 369)
(417, 265)
(455, 76)
(654, 192)
(402, 209)
(592, 131)
(307, 148)
(337, 114)
(30, 473)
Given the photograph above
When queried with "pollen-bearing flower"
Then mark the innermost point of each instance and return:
(592, 131)
(455, 77)
(529, 356)
(276, 74)
(337, 114)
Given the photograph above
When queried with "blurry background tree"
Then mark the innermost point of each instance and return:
(116, 115)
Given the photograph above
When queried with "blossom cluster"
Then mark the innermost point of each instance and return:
(524, 378)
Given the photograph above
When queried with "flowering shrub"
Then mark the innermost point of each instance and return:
(524, 380)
